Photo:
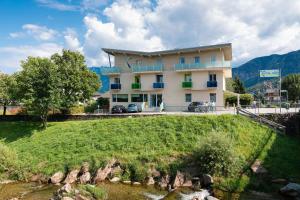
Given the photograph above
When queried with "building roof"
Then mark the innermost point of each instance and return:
(173, 51)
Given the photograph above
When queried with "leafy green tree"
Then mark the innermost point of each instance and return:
(38, 84)
(291, 83)
(238, 86)
(78, 83)
(229, 84)
(7, 90)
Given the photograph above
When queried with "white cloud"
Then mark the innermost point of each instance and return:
(71, 40)
(41, 33)
(92, 5)
(57, 5)
(11, 56)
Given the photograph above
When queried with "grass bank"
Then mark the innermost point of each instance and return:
(162, 141)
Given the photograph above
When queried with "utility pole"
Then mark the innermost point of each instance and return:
(280, 88)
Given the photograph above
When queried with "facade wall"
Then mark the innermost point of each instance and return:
(173, 94)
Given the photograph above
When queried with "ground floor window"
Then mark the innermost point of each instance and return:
(155, 100)
(213, 97)
(120, 97)
(139, 98)
(188, 97)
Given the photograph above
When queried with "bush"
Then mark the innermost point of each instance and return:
(215, 156)
(93, 105)
(78, 109)
(9, 164)
(94, 191)
(231, 99)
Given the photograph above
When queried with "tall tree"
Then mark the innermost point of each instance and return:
(291, 83)
(38, 84)
(238, 86)
(7, 90)
(78, 83)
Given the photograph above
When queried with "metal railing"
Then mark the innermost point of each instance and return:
(277, 127)
(150, 68)
(110, 70)
(195, 66)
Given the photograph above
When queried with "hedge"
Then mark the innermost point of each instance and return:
(231, 99)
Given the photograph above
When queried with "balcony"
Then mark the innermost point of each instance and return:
(115, 86)
(110, 70)
(197, 66)
(136, 86)
(211, 84)
(158, 85)
(187, 84)
(147, 69)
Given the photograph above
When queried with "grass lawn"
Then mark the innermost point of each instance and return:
(158, 141)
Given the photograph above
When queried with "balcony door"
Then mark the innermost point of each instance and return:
(155, 100)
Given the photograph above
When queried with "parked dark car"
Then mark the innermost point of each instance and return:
(197, 106)
(133, 108)
(118, 109)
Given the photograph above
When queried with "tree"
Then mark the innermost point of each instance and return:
(229, 84)
(238, 86)
(38, 84)
(7, 90)
(78, 83)
(291, 83)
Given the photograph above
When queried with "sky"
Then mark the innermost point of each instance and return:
(44, 27)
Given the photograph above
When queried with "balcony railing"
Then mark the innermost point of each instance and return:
(195, 66)
(115, 86)
(145, 69)
(187, 84)
(158, 85)
(110, 70)
(212, 84)
(136, 86)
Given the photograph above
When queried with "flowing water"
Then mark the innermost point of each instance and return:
(33, 191)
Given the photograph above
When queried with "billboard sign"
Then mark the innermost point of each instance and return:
(269, 73)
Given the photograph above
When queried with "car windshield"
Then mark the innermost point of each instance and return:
(131, 105)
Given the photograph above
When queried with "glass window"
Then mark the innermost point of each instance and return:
(213, 97)
(114, 98)
(159, 78)
(117, 80)
(187, 77)
(188, 97)
(197, 59)
(212, 77)
(139, 98)
(181, 60)
(213, 59)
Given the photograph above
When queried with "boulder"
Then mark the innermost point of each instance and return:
(57, 177)
(153, 172)
(165, 180)
(40, 178)
(187, 183)
(116, 171)
(81, 197)
(115, 179)
(126, 182)
(179, 180)
(85, 167)
(136, 183)
(67, 188)
(257, 168)
(150, 181)
(67, 198)
(291, 189)
(72, 176)
(102, 174)
(85, 178)
(206, 180)
(211, 198)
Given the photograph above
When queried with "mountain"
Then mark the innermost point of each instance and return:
(249, 72)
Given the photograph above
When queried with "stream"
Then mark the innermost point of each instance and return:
(116, 191)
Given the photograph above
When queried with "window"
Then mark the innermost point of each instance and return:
(197, 59)
(139, 98)
(137, 79)
(188, 97)
(213, 59)
(159, 78)
(188, 77)
(213, 97)
(212, 77)
(181, 60)
(117, 80)
(120, 97)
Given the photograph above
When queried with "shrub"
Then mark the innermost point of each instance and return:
(231, 99)
(93, 105)
(9, 164)
(246, 99)
(215, 156)
(78, 109)
(94, 191)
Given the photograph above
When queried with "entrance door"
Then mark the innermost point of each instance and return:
(155, 100)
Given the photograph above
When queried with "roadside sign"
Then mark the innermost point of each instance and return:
(269, 73)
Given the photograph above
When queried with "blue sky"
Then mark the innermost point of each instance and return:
(44, 27)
